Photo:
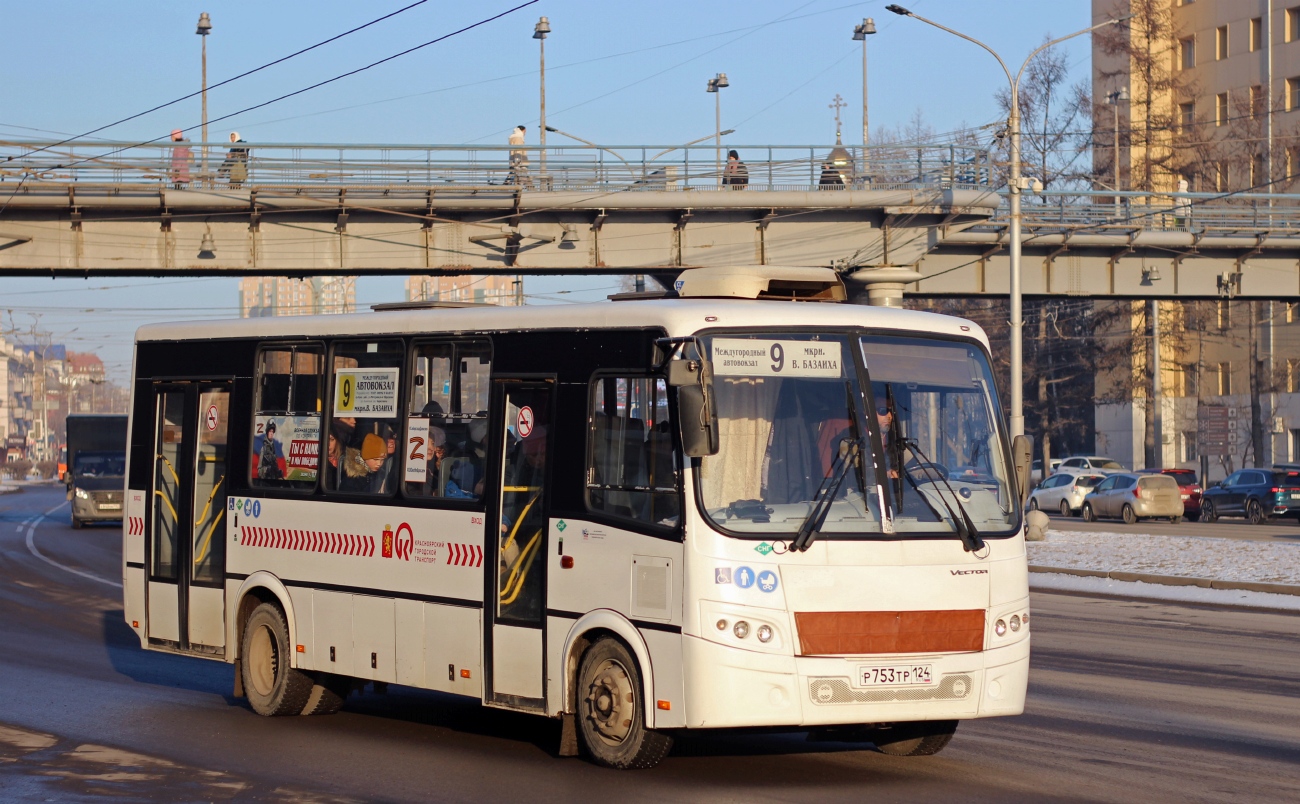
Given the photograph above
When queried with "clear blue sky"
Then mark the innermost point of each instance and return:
(618, 72)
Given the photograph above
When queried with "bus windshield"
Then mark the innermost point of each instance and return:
(789, 404)
(935, 405)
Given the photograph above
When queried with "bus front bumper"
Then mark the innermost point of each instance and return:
(729, 687)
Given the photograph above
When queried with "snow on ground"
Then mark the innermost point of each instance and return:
(1051, 582)
(1185, 556)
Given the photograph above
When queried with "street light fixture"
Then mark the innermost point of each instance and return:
(1115, 99)
(540, 30)
(613, 153)
(860, 34)
(715, 84)
(1016, 185)
(204, 28)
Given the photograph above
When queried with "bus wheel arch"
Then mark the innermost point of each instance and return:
(589, 629)
(259, 588)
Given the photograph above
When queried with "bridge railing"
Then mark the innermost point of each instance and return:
(559, 168)
(1189, 212)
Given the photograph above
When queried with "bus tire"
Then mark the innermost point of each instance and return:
(611, 716)
(921, 739)
(76, 523)
(272, 687)
(328, 692)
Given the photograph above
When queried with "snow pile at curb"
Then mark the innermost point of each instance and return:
(1184, 556)
(1053, 582)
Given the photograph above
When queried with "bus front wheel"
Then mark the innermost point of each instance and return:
(915, 739)
(272, 686)
(611, 715)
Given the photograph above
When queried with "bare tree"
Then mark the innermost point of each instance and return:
(1144, 52)
(1052, 114)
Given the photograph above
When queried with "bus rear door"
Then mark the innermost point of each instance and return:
(187, 509)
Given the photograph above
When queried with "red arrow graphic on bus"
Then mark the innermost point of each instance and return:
(309, 541)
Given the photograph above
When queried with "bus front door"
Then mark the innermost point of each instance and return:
(187, 509)
(517, 613)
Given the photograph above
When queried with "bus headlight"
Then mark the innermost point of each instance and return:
(764, 633)
(1015, 622)
(722, 625)
(741, 629)
(1000, 627)
(82, 494)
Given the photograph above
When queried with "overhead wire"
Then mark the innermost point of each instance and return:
(320, 84)
(232, 79)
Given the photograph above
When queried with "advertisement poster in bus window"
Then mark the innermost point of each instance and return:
(286, 447)
(368, 392)
(763, 357)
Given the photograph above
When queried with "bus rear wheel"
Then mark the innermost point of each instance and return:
(611, 717)
(272, 686)
(921, 739)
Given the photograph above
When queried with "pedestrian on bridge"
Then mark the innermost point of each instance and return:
(736, 175)
(235, 168)
(182, 159)
(831, 179)
(518, 158)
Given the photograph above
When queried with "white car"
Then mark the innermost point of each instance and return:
(1063, 492)
(1091, 465)
(1036, 471)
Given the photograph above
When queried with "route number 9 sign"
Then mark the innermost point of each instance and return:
(762, 357)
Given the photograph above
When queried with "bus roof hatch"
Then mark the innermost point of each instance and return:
(785, 283)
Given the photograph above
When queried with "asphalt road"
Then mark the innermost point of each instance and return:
(1129, 701)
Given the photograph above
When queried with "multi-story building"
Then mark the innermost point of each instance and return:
(1213, 94)
(16, 379)
(1206, 91)
(496, 289)
(282, 295)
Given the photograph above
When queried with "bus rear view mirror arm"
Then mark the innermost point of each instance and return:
(1022, 455)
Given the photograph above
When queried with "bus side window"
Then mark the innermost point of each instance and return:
(632, 469)
(365, 423)
(287, 417)
(446, 427)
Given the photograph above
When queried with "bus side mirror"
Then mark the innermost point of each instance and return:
(699, 422)
(693, 380)
(1022, 455)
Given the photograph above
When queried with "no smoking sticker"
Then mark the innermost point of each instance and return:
(524, 422)
(211, 419)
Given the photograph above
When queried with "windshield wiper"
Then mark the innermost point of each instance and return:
(825, 496)
(970, 537)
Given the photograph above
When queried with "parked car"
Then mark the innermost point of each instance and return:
(1090, 465)
(1036, 471)
(1256, 494)
(1133, 497)
(1190, 487)
(1063, 492)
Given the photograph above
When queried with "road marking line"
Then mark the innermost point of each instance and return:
(31, 547)
(23, 524)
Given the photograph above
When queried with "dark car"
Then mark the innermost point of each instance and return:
(1256, 494)
(1188, 485)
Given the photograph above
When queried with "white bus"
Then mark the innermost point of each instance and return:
(744, 504)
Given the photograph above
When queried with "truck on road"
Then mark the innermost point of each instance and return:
(96, 467)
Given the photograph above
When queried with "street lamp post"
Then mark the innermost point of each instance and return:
(715, 85)
(204, 28)
(860, 33)
(1016, 186)
(1114, 99)
(540, 30)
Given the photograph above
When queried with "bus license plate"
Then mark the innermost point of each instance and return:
(111, 506)
(895, 675)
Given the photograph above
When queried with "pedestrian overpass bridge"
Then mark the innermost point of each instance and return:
(925, 220)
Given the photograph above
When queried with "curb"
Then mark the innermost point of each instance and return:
(10, 490)
(1174, 580)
